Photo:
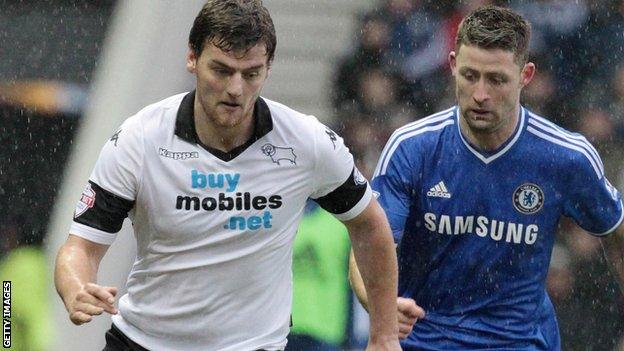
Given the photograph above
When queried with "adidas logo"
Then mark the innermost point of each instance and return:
(439, 190)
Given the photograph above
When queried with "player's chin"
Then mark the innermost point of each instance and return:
(480, 124)
(228, 120)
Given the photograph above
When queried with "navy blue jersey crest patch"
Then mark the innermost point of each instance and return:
(528, 198)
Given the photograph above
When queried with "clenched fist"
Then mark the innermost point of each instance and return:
(408, 313)
(89, 301)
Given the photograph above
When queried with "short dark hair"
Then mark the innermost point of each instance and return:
(493, 27)
(233, 25)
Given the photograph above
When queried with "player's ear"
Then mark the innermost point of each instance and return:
(191, 60)
(527, 73)
(269, 66)
(452, 59)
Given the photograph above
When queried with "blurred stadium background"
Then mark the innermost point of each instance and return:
(71, 71)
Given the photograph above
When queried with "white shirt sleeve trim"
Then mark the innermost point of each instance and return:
(92, 234)
(359, 207)
(616, 224)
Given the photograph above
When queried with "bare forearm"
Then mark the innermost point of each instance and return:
(75, 267)
(75, 274)
(374, 252)
(377, 264)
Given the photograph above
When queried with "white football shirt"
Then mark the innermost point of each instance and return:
(214, 230)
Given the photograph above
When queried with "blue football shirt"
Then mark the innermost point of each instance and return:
(475, 230)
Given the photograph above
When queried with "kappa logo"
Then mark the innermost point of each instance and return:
(87, 200)
(332, 136)
(278, 153)
(176, 155)
(439, 190)
(115, 137)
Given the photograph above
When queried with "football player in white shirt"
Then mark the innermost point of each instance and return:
(215, 182)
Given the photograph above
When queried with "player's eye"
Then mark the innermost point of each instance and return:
(469, 76)
(221, 71)
(252, 75)
(497, 80)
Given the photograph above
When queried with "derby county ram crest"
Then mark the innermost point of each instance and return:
(279, 154)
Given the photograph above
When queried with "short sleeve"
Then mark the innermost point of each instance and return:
(393, 182)
(112, 187)
(118, 167)
(339, 187)
(593, 203)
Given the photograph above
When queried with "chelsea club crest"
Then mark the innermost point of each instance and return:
(528, 198)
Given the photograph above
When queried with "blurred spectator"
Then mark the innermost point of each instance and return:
(599, 125)
(603, 41)
(556, 27)
(320, 286)
(365, 141)
(616, 102)
(369, 53)
(419, 44)
(560, 280)
(418, 51)
(542, 96)
(596, 126)
(377, 93)
(378, 113)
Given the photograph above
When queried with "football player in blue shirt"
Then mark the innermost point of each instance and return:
(474, 194)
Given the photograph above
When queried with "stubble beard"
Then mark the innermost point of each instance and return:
(219, 117)
(481, 127)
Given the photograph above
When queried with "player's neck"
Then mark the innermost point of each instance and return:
(223, 138)
(491, 140)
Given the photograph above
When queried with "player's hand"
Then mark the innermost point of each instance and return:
(408, 313)
(90, 301)
(388, 345)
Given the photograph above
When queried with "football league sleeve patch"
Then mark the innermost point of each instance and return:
(99, 213)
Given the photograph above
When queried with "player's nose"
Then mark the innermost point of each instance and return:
(235, 85)
(480, 93)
